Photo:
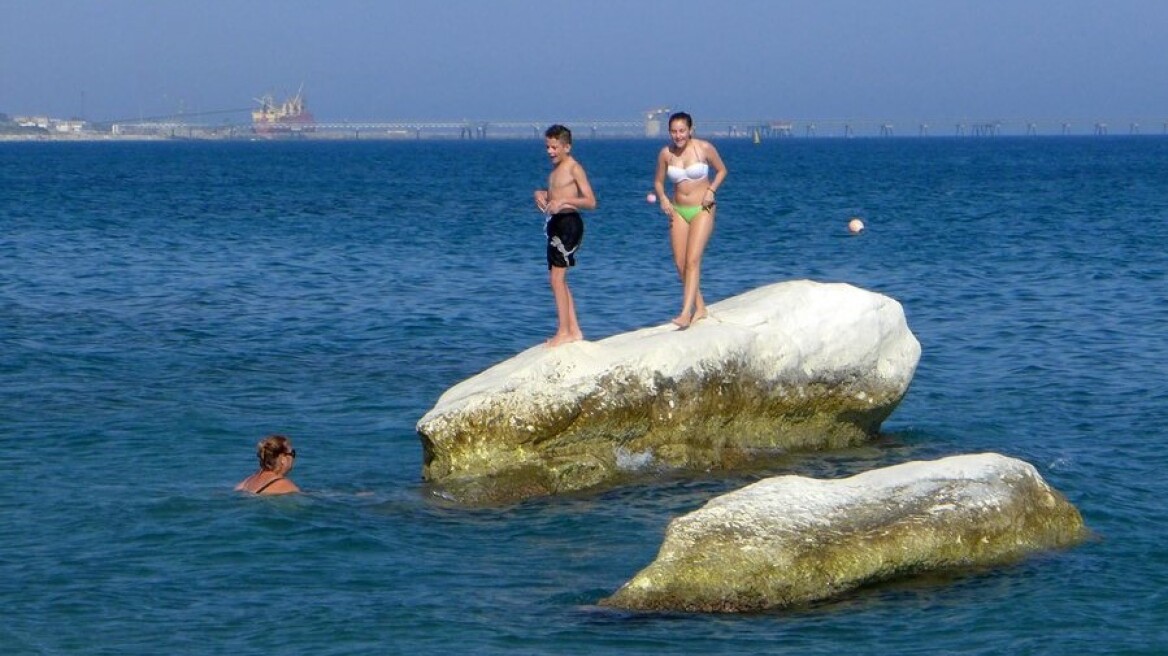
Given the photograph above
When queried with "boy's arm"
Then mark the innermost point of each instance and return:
(585, 200)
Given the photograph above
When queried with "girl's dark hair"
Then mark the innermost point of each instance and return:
(683, 116)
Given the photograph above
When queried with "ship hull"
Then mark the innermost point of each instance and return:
(284, 126)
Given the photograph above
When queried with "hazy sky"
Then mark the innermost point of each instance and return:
(590, 59)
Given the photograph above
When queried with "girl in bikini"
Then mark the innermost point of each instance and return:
(687, 161)
(276, 459)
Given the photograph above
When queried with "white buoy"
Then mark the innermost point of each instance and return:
(855, 226)
(651, 198)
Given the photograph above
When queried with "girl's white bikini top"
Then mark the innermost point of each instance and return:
(695, 171)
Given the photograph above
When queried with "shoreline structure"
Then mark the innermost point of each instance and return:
(367, 135)
(292, 119)
(648, 126)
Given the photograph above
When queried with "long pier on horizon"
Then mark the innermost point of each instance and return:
(651, 125)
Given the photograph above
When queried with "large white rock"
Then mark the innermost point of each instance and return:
(793, 365)
(790, 539)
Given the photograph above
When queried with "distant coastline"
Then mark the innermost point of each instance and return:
(94, 136)
(248, 136)
(338, 137)
(583, 129)
(274, 126)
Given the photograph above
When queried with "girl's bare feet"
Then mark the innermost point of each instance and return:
(566, 338)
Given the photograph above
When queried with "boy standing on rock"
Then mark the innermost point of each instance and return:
(567, 192)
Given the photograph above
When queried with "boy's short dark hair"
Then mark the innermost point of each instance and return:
(560, 132)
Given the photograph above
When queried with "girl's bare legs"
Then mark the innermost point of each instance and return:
(689, 244)
(569, 327)
(679, 237)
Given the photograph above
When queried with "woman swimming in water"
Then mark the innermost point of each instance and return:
(687, 161)
(276, 459)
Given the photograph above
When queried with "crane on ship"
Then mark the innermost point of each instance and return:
(291, 115)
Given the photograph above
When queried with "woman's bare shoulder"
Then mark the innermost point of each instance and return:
(281, 486)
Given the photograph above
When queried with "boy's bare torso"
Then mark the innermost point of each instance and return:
(562, 182)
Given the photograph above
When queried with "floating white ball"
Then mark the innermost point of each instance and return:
(855, 226)
(651, 198)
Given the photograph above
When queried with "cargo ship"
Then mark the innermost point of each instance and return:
(289, 116)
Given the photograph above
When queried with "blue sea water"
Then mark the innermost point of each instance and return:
(165, 305)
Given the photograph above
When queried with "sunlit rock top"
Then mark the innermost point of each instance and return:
(794, 365)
